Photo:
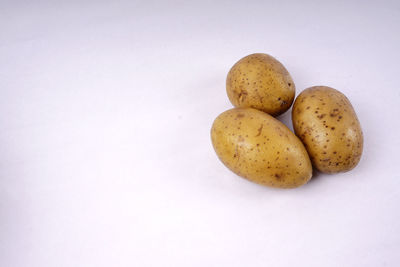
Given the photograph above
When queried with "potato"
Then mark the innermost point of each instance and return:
(327, 124)
(261, 82)
(258, 147)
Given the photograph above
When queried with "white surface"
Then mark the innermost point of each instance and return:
(105, 154)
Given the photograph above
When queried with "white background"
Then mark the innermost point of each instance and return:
(105, 153)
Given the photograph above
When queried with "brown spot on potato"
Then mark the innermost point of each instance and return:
(334, 112)
(260, 130)
(242, 96)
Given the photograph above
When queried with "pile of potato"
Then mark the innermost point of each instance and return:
(257, 146)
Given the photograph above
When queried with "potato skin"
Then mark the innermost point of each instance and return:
(327, 124)
(260, 81)
(260, 148)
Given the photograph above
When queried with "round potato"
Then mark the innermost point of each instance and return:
(260, 81)
(258, 147)
(326, 122)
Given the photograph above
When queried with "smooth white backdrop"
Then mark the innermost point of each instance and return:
(105, 154)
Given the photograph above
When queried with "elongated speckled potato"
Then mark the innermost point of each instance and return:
(326, 122)
(260, 148)
(260, 81)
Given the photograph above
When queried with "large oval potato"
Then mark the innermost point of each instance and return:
(326, 122)
(261, 82)
(258, 147)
